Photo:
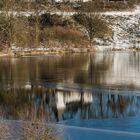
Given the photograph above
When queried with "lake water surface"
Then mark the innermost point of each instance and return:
(71, 88)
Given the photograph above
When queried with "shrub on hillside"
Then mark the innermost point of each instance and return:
(4, 130)
(66, 34)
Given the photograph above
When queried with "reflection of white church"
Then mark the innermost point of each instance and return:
(64, 98)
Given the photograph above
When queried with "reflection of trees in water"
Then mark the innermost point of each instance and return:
(102, 106)
(23, 104)
(18, 71)
(63, 68)
(46, 103)
(134, 60)
(124, 71)
(97, 68)
(84, 68)
(13, 101)
(92, 69)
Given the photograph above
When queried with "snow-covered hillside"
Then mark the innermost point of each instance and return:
(126, 29)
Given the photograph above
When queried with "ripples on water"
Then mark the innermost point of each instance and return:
(86, 86)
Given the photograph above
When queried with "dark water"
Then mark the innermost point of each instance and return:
(76, 86)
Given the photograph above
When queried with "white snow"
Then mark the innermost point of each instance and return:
(126, 30)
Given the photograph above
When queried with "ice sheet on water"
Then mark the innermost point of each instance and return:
(108, 129)
(73, 133)
(130, 124)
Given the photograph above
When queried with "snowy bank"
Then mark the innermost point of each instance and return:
(126, 30)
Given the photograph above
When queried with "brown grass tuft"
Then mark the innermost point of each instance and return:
(4, 130)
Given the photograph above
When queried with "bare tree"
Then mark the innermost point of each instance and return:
(9, 15)
(91, 20)
(8, 8)
(38, 7)
(93, 24)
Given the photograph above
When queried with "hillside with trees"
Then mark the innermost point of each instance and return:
(40, 26)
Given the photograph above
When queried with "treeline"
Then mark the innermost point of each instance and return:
(25, 32)
(72, 5)
(21, 31)
(38, 30)
(108, 5)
